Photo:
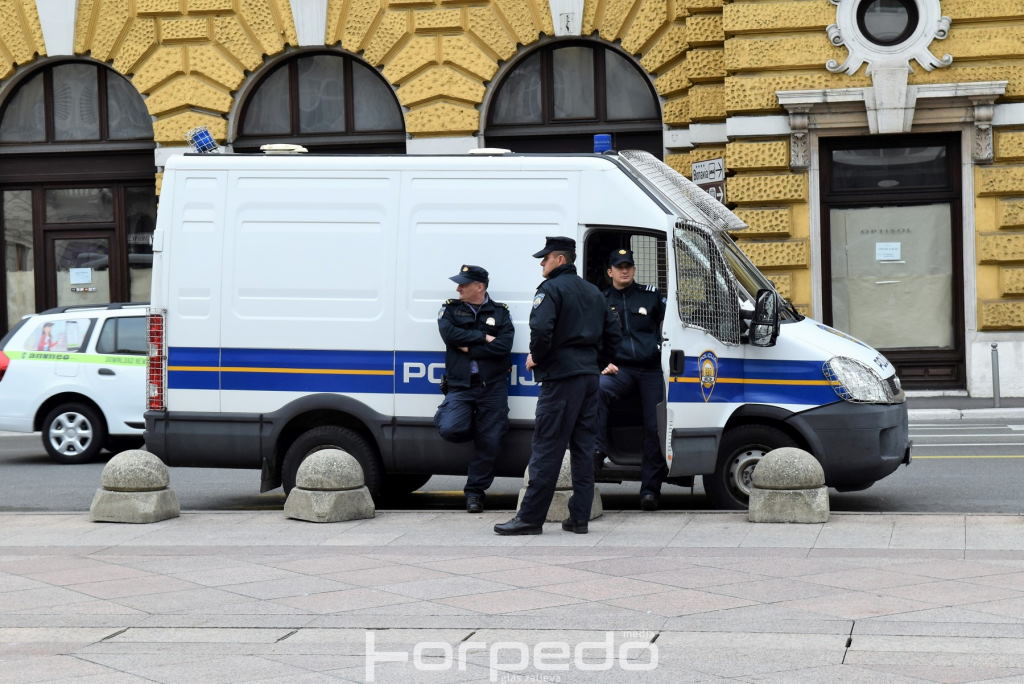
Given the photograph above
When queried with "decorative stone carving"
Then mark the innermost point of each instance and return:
(890, 103)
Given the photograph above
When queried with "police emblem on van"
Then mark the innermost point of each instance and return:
(707, 363)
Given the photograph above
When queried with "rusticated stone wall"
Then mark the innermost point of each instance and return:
(21, 37)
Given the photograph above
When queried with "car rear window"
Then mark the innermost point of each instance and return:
(123, 336)
(65, 335)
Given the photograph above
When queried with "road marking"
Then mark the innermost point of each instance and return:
(972, 456)
(958, 436)
(973, 444)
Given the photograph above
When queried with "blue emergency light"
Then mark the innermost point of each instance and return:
(201, 140)
(602, 142)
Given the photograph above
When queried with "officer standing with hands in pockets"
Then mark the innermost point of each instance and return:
(637, 367)
(572, 336)
(477, 333)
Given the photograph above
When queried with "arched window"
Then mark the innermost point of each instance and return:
(560, 95)
(75, 102)
(326, 102)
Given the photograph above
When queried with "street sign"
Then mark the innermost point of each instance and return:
(710, 176)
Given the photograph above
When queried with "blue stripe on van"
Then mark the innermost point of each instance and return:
(419, 372)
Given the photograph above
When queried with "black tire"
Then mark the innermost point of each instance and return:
(74, 433)
(399, 485)
(741, 448)
(119, 443)
(333, 437)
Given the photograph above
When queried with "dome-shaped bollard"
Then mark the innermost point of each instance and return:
(559, 508)
(329, 488)
(134, 489)
(788, 485)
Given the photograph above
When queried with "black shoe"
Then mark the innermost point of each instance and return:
(517, 526)
(577, 526)
(649, 501)
(474, 503)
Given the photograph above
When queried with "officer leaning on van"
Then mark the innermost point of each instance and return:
(637, 367)
(477, 332)
(572, 336)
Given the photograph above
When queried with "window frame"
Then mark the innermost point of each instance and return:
(102, 112)
(348, 140)
(549, 124)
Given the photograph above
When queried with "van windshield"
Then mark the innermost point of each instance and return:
(748, 279)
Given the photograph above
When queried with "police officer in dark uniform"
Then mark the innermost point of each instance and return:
(477, 332)
(637, 366)
(572, 335)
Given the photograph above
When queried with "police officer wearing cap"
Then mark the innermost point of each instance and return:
(572, 335)
(477, 333)
(637, 367)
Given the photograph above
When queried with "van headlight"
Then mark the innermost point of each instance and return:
(856, 381)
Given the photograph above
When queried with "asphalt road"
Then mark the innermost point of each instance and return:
(959, 466)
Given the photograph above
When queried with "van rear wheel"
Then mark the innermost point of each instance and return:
(741, 449)
(332, 437)
(73, 433)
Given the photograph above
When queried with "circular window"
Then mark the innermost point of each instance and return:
(887, 22)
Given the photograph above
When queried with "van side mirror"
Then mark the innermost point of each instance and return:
(764, 327)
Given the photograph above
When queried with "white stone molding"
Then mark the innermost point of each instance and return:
(677, 139)
(706, 134)
(566, 17)
(310, 18)
(757, 126)
(932, 103)
(443, 145)
(57, 20)
(888, 65)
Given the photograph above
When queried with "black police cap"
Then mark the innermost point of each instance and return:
(556, 244)
(621, 256)
(471, 274)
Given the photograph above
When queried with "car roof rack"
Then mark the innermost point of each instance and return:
(83, 307)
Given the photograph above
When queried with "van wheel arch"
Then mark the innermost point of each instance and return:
(358, 439)
(745, 440)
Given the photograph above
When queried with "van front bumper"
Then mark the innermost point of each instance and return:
(857, 444)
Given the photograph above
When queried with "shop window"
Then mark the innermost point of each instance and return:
(557, 97)
(326, 102)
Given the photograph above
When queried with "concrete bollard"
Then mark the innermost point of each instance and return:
(559, 508)
(329, 488)
(788, 485)
(134, 489)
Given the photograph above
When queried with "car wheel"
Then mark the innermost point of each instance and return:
(74, 433)
(332, 437)
(741, 450)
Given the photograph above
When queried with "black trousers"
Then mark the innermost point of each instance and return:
(649, 384)
(480, 414)
(566, 418)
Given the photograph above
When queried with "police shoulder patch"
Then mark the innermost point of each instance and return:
(539, 299)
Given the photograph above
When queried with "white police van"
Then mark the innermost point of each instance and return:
(295, 304)
(77, 374)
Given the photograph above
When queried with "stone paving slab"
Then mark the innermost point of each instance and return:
(251, 596)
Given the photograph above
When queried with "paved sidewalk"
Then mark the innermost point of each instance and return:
(251, 596)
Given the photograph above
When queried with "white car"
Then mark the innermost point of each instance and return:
(78, 375)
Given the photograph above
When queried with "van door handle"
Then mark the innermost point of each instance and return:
(105, 371)
(676, 362)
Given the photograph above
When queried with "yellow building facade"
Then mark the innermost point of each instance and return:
(875, 148)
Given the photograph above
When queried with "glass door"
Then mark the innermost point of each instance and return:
(80, 268)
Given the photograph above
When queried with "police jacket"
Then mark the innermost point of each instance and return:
(461, 327)
(572, 330)
(641, 310)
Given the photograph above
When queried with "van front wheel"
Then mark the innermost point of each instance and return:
(740, 451)
(332, 437)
